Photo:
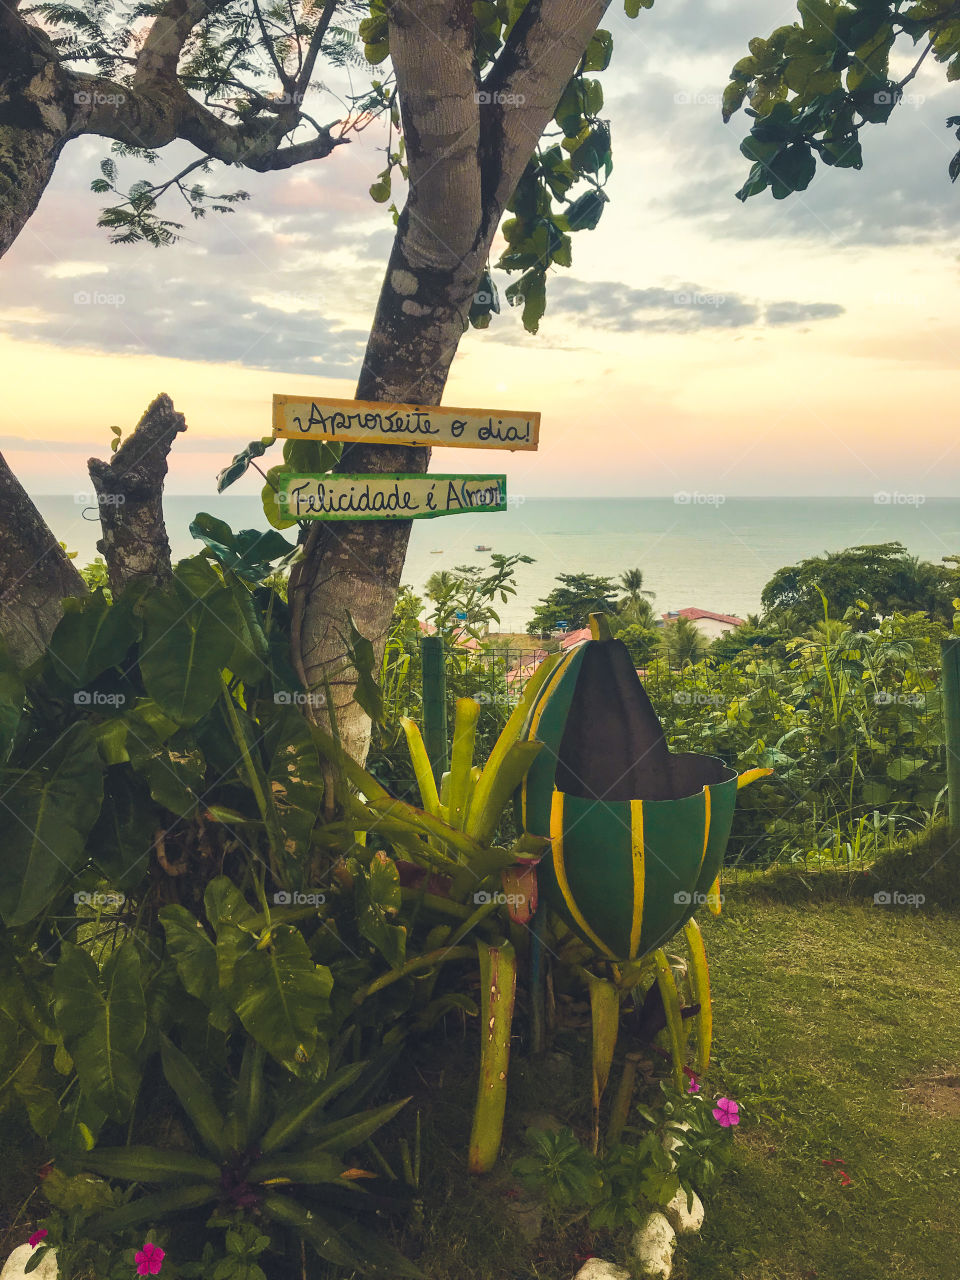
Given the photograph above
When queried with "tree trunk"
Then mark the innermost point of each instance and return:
(463, 171)
(35, 573)
(130, 496)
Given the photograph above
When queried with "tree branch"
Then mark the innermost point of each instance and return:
(130, 493)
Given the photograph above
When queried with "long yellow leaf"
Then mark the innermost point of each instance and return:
(700, 987)
(461, 760)
(421, 766)
(671, 1006)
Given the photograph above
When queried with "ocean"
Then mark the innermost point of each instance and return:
(716, 557)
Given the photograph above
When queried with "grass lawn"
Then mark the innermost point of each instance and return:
(837, 1030)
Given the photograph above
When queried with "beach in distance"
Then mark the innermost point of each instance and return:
(715, 555)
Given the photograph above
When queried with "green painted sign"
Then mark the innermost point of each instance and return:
(389, 497)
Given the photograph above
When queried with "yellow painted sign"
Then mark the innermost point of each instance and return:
(389, 497)
(372, 422)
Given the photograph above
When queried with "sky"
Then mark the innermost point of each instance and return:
(805, 346)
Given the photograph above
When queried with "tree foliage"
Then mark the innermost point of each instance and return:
(572, 602)
(813, 86)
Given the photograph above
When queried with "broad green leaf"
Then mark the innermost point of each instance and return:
(295, 778)
(102, 1018)
(378, 904)
(242, 460)
(91, 636)
(599, 51)
(190, 631)
(195, 956)
(47, 813)
(279, 994)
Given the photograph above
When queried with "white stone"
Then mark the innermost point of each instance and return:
(13, 1268)
(682, 1219)
(653, 1247)
(673, 1140)
(597, 1269)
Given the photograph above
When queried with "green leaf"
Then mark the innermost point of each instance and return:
(103, 1019)
(344, 1135)
(310, 1168)
(149, 1208)
(91, 636)
(289, 1124)
(319, 1233)
(11, 701)
(530, 292)
(241, 461)
(195, 957)
(195, 1097)
(378, 904)
(190, 631)
(295, 778)
(599, 52)
(585, 212)
(47, 813)
(792, 170)
(279, 994)
(150, 1164)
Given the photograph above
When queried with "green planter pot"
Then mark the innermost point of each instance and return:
(637, 833)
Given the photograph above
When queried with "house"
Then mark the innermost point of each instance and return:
(712, 625)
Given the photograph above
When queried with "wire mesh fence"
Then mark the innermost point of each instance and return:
(852, 730)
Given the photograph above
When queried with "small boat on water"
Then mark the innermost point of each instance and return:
(480, 547)
(438, 552)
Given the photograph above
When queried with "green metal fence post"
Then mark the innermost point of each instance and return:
(435, 704)
(950, 655)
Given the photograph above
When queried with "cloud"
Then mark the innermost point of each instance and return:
(686, 308)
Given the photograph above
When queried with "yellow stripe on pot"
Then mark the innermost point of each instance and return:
(560, 871)
(538, 711)
(706, 823)
(751, 775)
(639, 873)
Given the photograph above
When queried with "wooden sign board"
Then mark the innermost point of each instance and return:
(372, 422)
(389, 497)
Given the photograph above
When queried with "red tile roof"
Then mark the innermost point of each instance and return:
(694, 614)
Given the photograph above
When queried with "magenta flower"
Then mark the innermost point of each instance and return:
(694, 1085)
(149, 1260)
(726, 1113)
(37, 1237)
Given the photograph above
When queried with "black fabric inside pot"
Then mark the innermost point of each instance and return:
(613, 746)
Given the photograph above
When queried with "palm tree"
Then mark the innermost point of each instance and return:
(683, 643)
(632, 583)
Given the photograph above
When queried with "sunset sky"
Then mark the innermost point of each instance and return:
(805, 346)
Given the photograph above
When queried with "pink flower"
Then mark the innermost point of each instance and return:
(726, 1113)
(37, 1237)
(694, 1085)
(149, 1260)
